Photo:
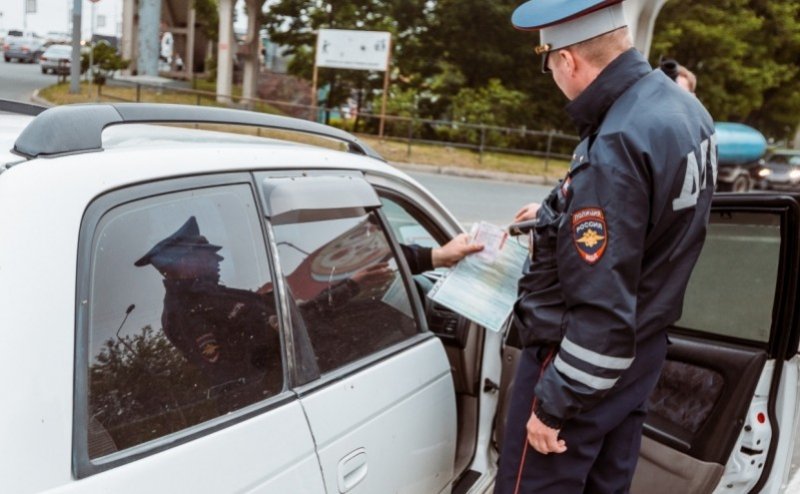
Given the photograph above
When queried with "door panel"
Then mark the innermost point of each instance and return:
(394, 418)
(272, 452)
(704, 391)
(663, 470)
(725, 358)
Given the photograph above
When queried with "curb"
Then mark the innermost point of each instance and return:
(35, 98)
(475, 173)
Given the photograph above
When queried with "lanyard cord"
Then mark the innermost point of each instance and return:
(526, 445)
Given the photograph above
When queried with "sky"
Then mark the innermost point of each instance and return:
(55, 15)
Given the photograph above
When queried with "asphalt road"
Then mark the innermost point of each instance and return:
(473, 199)
(19, 80)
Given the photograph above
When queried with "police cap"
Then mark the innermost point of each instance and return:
(562, 23)
(184, 241)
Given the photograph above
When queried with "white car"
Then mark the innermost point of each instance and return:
(280, 369)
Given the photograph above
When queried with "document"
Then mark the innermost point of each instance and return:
(483, 286)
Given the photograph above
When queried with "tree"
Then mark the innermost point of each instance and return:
(744, 54)
(140, 388)
(293, 23)
(106, 61)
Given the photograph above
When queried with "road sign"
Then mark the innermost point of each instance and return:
(358, 50)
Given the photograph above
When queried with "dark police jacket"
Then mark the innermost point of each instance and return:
(617, 239)
(224, 331)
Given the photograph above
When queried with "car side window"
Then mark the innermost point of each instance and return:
(181, 318)
(731, 291)
(343, 278)
(406, 228)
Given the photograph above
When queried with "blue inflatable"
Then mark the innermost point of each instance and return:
(738, 144)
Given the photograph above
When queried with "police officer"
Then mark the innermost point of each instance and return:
(225, 332)
(613, 248)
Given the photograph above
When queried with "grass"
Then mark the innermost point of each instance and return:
(59, 94)
(441, 155)
(392, 150)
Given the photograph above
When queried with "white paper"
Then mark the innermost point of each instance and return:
(483, 288)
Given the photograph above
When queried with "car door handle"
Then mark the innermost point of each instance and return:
(352, 470)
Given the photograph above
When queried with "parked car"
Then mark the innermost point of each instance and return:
(26, 49)
(781, 170)
(110, 378)
(56, 59)
(57, 37)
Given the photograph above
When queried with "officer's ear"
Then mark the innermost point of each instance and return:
(565, 60)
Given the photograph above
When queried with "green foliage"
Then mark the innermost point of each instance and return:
(744, 53)
(141, 388)
(106, 61)
(207, 14)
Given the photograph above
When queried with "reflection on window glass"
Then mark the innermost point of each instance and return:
(407, 230)
(732, 288)
(182, 316)
(343, 277)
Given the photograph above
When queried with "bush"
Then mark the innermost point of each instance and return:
(106, 61)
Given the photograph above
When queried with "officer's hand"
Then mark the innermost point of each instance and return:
(528, 212)
(544, 439)
(453, 251)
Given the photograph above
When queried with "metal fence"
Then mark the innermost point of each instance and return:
(411, 130)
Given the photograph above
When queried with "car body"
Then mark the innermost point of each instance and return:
(378, 390)
(56, 59)
(57, 37)
(781, 170)
(22, 49)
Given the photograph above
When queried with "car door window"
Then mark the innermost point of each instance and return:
(732, 288)
(407, 229)
(343, 278)
(181, 316)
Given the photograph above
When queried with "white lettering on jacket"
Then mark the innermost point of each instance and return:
(696, 178)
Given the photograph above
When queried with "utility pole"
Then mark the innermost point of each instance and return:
(225, 48)
(149, 37)
(75, 66)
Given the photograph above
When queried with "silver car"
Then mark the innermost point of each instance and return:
(22, 49)
(56, 59)
(781, 170)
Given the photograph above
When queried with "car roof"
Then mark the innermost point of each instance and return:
(136, 152)
(10, 127)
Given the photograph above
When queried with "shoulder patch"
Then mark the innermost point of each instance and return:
(589, 233)
(208, 347)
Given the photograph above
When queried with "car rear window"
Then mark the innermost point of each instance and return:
(182, 321)
(58, 51)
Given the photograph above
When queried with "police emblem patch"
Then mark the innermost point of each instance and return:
(589, 233)
(208, 347)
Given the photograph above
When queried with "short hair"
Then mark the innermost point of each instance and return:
(689, 75)
(601, 50)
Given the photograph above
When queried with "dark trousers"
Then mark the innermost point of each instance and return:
(602, 443)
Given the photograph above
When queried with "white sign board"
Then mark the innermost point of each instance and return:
(357, 50)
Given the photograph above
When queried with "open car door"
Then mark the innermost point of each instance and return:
(723, 415)
(722, 418)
